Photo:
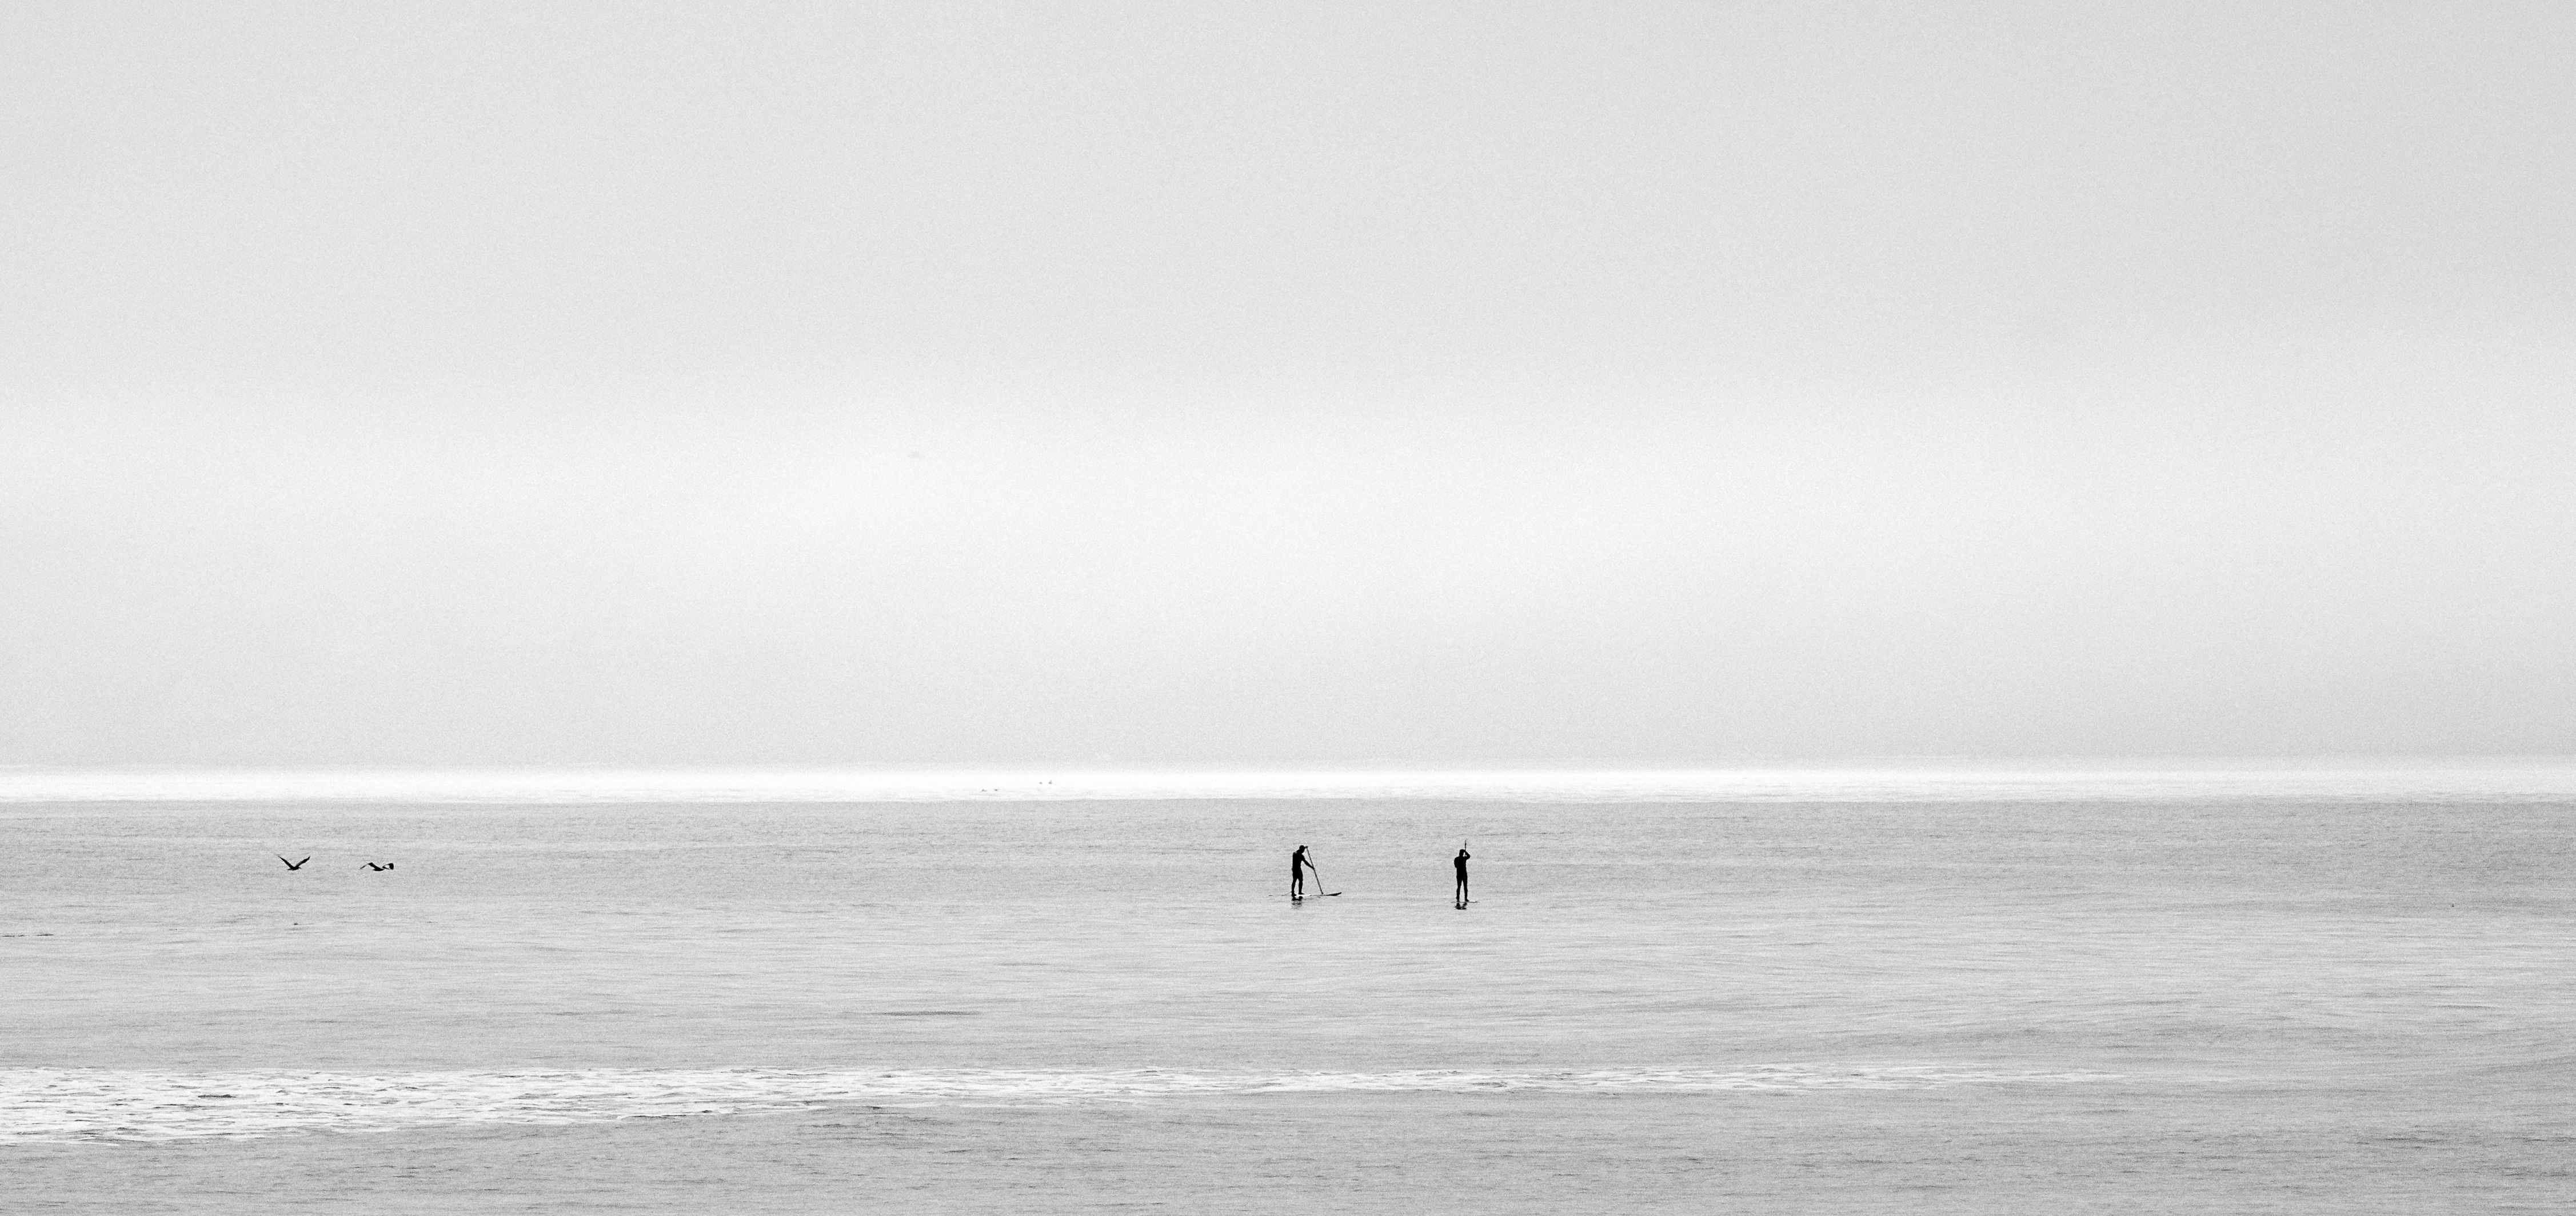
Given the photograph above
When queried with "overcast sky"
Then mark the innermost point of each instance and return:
(1284, 383)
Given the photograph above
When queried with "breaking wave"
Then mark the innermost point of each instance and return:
(60, 1105)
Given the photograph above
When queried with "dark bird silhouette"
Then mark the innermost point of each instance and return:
(295, 865)
(373, 866)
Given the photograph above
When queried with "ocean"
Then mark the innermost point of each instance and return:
(1993, 988)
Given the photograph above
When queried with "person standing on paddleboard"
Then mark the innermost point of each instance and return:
(1460, 863)
(1299, 866)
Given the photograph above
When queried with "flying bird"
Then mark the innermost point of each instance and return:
(373, 866)
(295, 865)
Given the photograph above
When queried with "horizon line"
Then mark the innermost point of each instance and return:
(2448, 779)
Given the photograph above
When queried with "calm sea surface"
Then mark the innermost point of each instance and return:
(1964, 990)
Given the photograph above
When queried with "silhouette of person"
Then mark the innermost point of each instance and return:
(1299, 866)
(1460, 863)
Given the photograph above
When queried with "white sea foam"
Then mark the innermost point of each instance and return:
(45, 1104)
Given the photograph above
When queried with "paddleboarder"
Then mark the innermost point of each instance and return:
(1460, 864)
(1299, 866)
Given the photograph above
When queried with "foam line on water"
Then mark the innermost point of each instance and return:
(60, 1105)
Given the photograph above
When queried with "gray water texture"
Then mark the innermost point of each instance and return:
(1893, 1006)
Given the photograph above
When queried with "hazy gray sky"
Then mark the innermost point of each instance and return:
(1279, 382)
